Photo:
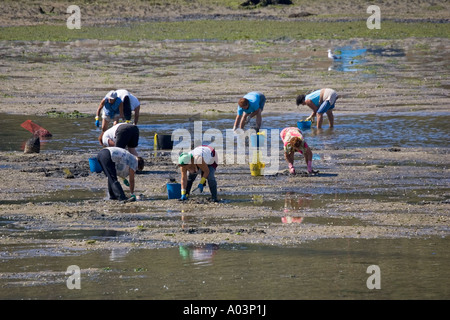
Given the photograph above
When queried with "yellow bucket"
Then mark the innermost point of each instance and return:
(257, 169)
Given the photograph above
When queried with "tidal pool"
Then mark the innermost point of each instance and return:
(350, 131)
(322, 269)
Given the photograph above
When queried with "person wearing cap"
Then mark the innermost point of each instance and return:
(130, 104)
(249, 106)
(320, 101)
(117, 162)
(111, 108)
(122, 135)
(203, 160)
(293, 141)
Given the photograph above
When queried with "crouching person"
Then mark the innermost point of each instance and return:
(117, 162)
(201, 160)
(293, 141)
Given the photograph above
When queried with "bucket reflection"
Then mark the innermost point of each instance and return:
(199, 254)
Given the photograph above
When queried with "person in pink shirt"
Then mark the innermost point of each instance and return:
(293, 141)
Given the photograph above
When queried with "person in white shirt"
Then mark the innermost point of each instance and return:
(116, 105)
(203, 160)
(122, 135)
(118, 162)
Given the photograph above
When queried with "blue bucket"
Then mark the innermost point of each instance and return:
(95, 165)
(174, 190)
(303, 125)
(257, 140)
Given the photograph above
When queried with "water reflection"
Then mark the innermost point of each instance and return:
(199, 254)
(118, 254)
(289, 219)
(322, 269)
(349, 59)
(294, 202)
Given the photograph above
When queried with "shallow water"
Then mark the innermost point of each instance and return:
(349, 59)
(67, 196)
(350, 131)
(322, 269)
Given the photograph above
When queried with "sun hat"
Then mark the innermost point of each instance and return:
(184, 158)
(111, 95)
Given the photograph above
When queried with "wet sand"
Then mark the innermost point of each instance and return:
(393, 194)
(406, 196)
(197, 77)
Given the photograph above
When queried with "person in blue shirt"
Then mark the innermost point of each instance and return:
(249, 106)
(111, 108)
(320, 101)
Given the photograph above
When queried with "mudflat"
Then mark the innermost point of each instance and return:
(360, 192)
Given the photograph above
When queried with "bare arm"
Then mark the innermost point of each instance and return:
(243, 121)
(121, 111)
(183, 178)
(237, 122)
(100, 138)
(289, 157)
(100, 107)
(136, 114)
(312, 106)
(205, 170)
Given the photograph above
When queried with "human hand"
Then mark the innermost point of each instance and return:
(97, 121)
(183, 195)
(125, 182)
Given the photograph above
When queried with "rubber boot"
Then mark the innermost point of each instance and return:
(118, 191)
(111, 194)
(213, 189)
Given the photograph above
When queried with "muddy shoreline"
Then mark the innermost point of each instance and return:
(395, 201)
(361, 193)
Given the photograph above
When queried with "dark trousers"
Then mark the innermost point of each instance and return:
(109, 168)
(212, 183)
(127, 135)
(127, 108)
